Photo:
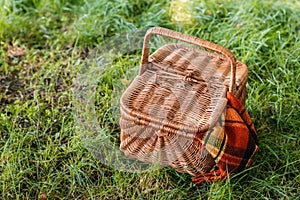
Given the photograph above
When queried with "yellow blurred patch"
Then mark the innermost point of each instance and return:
(182, 11)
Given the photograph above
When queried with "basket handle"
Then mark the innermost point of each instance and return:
(192, 40)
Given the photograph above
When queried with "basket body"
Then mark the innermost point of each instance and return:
(172, 112)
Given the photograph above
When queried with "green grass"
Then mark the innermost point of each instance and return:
(44, 45)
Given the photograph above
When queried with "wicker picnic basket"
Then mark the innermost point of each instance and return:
(178, 98)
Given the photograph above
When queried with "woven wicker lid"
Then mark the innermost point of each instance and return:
(180, 92)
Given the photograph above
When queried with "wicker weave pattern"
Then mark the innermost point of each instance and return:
(173, 112)
(178, 100)
(183, 154)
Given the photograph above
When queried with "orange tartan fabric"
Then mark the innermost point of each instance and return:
(240, 143)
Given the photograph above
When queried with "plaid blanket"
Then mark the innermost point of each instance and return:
(236, 145)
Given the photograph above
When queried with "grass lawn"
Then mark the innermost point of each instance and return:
(48, 48)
